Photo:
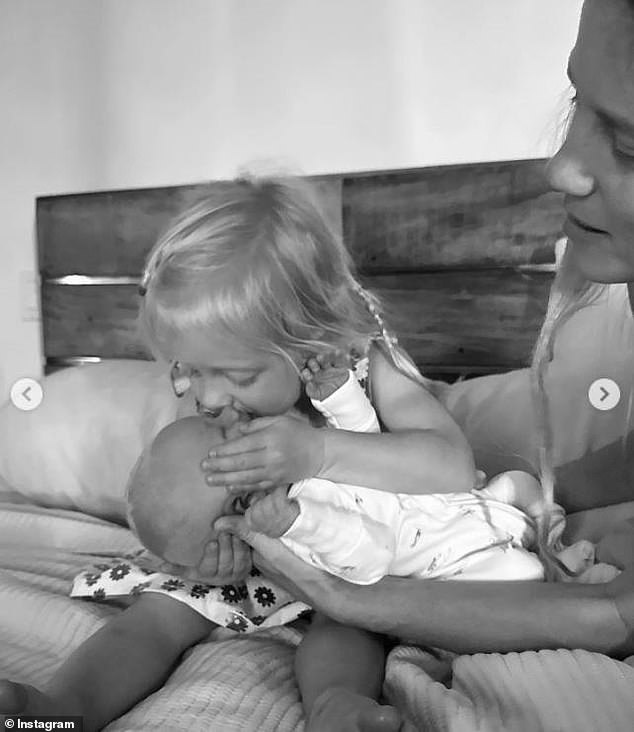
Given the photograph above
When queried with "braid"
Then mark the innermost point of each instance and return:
(372, 304)
(389, 341)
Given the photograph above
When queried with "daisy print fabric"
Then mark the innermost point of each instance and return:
(243, 608)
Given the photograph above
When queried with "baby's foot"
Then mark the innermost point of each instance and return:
(577, 557)
(341, 710)
(24, 699)
(325, 373)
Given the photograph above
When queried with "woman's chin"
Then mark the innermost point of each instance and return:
(598, 265)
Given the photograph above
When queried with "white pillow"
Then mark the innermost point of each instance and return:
(77, 448)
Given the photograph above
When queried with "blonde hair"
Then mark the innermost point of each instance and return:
(569, 293)
(258, 259)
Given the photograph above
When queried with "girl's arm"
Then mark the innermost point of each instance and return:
(466, 617)
(124, 661)
(424, 450)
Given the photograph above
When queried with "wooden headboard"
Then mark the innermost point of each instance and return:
(464, 254)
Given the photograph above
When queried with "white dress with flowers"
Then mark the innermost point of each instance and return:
(256, 603)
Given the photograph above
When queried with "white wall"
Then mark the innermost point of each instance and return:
(99, 94)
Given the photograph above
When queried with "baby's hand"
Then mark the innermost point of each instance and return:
(325, 373)
(272, 514)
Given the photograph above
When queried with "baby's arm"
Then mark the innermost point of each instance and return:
(118, 666)
(324, 532)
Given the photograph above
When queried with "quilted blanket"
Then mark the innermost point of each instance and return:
(246, 683)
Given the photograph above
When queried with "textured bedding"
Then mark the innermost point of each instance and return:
(247, 683)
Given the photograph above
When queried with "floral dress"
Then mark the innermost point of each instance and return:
(256, 603)
(244, 608)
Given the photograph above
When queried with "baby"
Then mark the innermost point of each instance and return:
(357, 533)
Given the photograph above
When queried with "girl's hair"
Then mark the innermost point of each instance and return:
(258, 259)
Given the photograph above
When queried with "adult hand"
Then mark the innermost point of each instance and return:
(318, 589)
(266, 452)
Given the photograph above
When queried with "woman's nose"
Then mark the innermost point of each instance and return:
(569, 170)
(567, 174)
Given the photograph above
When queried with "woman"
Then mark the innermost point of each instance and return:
(595, 170)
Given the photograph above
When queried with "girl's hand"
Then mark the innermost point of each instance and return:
(268, 451)
(226, 561)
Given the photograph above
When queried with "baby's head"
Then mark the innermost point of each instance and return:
(170, 506)
(259, 261)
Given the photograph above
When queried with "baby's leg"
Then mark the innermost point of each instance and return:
(340, 673)
(518, 489)
(123, 662)
(523, 491)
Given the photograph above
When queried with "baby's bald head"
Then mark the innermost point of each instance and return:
(170, 506)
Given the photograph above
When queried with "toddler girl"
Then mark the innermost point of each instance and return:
(241, 292)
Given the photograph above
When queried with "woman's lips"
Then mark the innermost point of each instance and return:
(583, 226)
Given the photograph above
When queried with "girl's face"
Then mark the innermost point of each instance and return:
(234, 380)
(595, 165)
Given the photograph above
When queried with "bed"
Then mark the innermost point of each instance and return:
(465, 256)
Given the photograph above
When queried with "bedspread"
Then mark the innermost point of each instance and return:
(247, 683)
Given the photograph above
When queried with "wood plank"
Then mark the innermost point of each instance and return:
(109, 234)
(486, 320)
(91, 321)
(477, 215)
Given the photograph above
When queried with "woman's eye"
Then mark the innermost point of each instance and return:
(623, 150)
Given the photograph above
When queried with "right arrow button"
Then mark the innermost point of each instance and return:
(604, 394)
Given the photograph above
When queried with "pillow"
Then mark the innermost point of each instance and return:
(76, 450)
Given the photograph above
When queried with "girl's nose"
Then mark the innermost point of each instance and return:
(212, 398)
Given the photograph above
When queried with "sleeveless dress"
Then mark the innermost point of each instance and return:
(243, 608)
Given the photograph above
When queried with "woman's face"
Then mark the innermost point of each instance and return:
(595, 165)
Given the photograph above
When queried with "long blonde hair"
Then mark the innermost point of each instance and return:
(258, 258)
(570, 292)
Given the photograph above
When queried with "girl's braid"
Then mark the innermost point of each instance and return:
(371, 304)
(398, 356)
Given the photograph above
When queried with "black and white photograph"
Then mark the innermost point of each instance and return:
(317, 365)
